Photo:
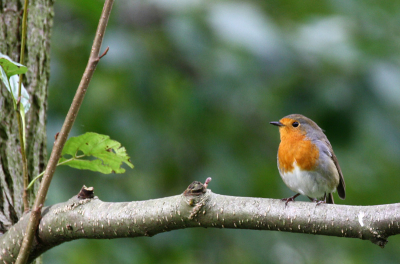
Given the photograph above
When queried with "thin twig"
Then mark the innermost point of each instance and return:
(104, 53)
(62, 138)
(59, 163)
(21, 128)
(24, 162)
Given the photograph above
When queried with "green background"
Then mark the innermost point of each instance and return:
(189, 88)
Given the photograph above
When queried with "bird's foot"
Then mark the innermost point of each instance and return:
(318, 202)
(290, 199)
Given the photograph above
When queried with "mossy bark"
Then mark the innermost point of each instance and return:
(37, 59)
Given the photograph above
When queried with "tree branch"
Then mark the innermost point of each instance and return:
(198, 207)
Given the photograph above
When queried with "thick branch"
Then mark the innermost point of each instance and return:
(93, 218)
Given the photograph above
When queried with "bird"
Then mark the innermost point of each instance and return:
(306, 161)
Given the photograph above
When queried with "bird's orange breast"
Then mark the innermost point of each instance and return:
(296, 147)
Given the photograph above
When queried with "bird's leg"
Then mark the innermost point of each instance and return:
(318, 201)
(290, 199)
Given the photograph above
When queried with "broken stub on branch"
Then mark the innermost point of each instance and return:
(86, 193)
(197, 188)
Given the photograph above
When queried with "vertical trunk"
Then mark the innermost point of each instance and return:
(37, 59)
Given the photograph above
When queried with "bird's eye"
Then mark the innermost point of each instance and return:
(295, 124)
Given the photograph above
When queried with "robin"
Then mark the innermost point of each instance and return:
(306, 161)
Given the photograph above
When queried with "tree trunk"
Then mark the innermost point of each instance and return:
(37, 59)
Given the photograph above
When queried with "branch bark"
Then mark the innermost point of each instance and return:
(197, 207)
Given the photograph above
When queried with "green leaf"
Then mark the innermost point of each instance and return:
(14, 80)
(11, 82)
(11, 67)
(4, 78)
(96, 152)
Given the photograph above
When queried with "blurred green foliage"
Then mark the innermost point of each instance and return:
(189, 88)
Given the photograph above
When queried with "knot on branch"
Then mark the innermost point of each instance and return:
(196, 188)
(194, 193)
(378, 238)
(381, 242)
(86, 193)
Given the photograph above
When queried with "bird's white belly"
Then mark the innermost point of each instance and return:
(309, 183)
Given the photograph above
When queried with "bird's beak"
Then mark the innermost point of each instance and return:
(276, 123)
